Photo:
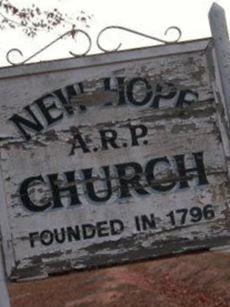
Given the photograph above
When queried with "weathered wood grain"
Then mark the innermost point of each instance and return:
(132, 166)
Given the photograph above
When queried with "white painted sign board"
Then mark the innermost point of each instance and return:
(111, 158)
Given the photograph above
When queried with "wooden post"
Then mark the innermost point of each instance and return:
(4, 298)
(220, 36)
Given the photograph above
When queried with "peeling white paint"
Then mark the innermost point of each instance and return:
(139, 131)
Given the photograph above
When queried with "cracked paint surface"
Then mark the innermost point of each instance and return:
(118, 163)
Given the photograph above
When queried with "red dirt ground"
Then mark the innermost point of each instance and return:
(191, 280)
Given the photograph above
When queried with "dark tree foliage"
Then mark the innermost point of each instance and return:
(33, 19)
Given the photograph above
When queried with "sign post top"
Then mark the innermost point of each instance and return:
(216, 7)
(217, 19)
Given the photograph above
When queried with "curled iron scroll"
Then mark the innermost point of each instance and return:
(137, 33)
(68, 33)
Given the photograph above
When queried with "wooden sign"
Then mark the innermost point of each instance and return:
(111, 158)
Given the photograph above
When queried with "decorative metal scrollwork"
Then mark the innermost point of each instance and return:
(68, 33)
(74, 32)
(137, 33)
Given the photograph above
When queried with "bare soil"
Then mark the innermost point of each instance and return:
(191, 280)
